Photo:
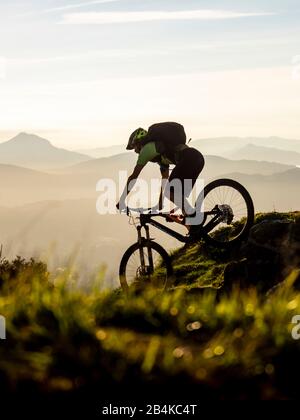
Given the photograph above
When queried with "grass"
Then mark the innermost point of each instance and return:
(61, 340)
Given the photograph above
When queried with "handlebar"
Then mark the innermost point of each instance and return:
(140, 210)
(150, 210)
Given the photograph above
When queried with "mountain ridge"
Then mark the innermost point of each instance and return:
(211, 145)
(34, 152)
(268, 154)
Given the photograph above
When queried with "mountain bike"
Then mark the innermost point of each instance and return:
(227, 216)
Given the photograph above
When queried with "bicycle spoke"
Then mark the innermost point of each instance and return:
(232, 207)
(134, 270)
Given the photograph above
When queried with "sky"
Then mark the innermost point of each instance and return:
(84, 74)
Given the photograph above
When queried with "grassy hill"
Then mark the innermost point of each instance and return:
(220, 342)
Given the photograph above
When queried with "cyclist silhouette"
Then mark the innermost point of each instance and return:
(165, 144)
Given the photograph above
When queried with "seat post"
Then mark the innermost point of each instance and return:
(143, 219)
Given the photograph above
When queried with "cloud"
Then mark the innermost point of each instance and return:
(70, 6)
(113, 54)
(127, 17)
(121, 54)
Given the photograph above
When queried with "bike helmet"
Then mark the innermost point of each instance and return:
(135, 137)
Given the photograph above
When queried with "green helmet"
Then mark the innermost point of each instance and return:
(138, 135)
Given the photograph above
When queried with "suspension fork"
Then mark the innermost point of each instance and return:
(149, 249)
(140, 241)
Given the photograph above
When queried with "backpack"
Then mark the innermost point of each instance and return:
(167, 136)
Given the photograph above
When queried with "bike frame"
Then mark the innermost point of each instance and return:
(147, 219)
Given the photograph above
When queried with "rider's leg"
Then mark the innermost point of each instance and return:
(187, 171)
(172, 217)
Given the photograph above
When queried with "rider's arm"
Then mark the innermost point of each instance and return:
(164, 170)
(147, 153)
(130, 184)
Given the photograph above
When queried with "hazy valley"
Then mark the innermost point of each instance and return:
(48, 195)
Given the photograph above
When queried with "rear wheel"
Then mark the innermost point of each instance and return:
(230, 212)
(145, 264)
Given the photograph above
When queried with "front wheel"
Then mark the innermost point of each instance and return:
(229, 212)
(145, 264)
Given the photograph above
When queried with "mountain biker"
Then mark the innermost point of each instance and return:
(165, 144)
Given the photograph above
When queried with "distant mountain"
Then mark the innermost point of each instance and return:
(219, 146)
(260, 153)
(12, 176)
(102, 152)
(223, 145)
(19, 185)
(31, 151)
(214, 165)
(111, 163)
(278, 192)
(291, 176)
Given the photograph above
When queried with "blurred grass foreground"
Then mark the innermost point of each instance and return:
(214, 331)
